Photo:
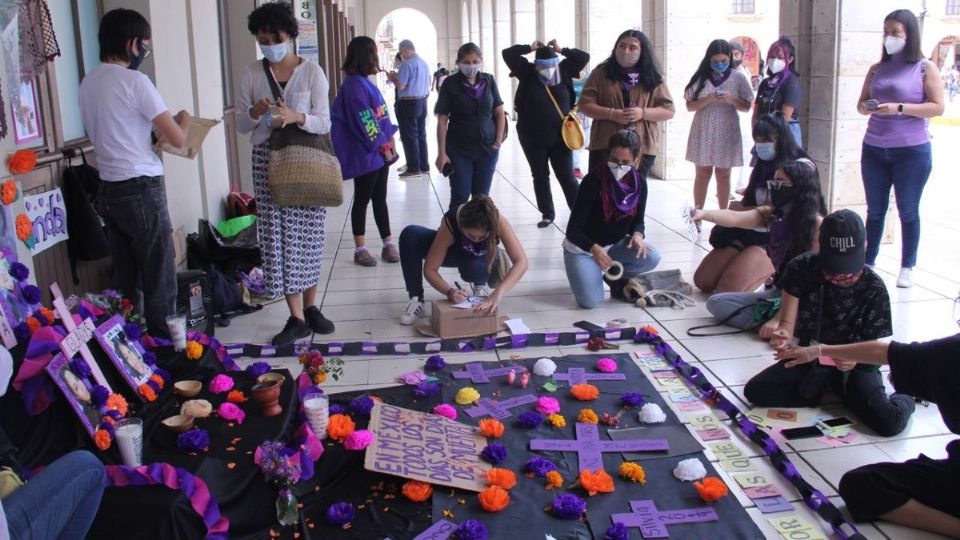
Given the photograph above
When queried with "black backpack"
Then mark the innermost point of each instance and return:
(88, 238)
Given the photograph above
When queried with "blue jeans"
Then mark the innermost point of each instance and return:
(723, 305)
(412, 119)
(906, 169)
(470, 176)
(60, 502)
(795, 129)
(586, 277)
(415, 242)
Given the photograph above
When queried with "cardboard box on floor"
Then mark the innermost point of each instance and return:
(448, 322)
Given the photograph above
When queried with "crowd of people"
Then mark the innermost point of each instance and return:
(775, 249)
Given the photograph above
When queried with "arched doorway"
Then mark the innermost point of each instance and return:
(946, 53)
(751, 58)
(394, 27)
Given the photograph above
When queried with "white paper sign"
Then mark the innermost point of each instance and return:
(49, 216)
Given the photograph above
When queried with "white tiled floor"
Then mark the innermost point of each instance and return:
(366, 303)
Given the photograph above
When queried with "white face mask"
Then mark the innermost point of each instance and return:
(618, 170)
(893, 44)
(275, 53)
(470, 70)
(546, 74)
(777, 65)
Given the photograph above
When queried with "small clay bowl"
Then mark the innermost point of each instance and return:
(187, 389)
(271, 378)
(197, 408)
(178, 423)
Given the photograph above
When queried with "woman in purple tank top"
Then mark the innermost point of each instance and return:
(900, 94)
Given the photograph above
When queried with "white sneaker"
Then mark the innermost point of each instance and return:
(412, 312)
(481, 290)
(904, 280)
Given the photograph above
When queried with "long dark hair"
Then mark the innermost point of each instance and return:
(911, 51)
(699, 79)
(361, 57)
(651, 75)
(806, 207)
(480, 213)
(772, 126)
(785, 45)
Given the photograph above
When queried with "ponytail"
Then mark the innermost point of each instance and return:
(480, 213)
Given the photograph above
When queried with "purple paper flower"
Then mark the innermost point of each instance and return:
(113, 413)
(569, 506)
(194, 440)
(426, 389)
(494, 453)
(80, 368)
(150, 358)
(22, 332)
(361, 405)
(530, 419)
(435, 363)
(164, 374)
(112, 294)
(19, 271)
(632, 399)
(99, 394)
(109, 427)
(340, 514)
(257, 369)
(132, 330)
(539, 466)
(472, 529)
(617, 531)
(337, 409)
(31, 294)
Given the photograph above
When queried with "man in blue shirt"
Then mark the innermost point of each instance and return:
(413, 87)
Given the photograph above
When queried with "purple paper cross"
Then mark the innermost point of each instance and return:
(653, 523)
(440, 530)
(590, 448)
(477, 374)
(498, 409)
(580, 376)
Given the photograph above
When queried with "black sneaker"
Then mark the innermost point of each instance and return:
(317, 322)
(292, 331)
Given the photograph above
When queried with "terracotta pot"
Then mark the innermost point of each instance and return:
(267, 395)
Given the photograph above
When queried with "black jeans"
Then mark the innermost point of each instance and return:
(141, 244)
(412, 119)
(367, 187)
(415, 242)
(598, 157)
(805, 385)
(540, 158)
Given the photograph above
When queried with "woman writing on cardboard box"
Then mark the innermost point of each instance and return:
(467, 239)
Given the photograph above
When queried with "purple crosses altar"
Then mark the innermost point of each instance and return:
(477, 374)
(498, 409)
(77, 336)
(580, 376)
(590, 448)
(653, 523)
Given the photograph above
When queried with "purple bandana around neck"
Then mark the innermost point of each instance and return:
(476, 89)
(776, 81)
(719, 78)
(621, 196)
(630, 78)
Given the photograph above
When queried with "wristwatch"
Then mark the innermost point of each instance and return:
(900, 109)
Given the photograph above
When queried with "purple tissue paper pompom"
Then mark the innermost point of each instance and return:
(22, 332)
(362, 405)
(337, 409)
(31, 294)
(257, 369)
(472, 529)
(132, 330)
(99, 394)
(539, 466)
(19, 271)
(569, 506)
(530, 419)
(494, 453)
(435, 363)
(426, 389)
(80, 368)
(109, 427)
(340, 514)
(617, 531)
(194, 440)
(632, 399)
(150, 358)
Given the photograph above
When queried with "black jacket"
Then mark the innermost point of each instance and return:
(536, 115)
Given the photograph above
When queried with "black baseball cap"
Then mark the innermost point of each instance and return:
(842, 243)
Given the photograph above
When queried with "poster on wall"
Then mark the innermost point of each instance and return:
(26, 114)
(48, 213)
(307, 43)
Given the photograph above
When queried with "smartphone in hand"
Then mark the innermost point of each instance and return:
(871, 105)
(447, 169)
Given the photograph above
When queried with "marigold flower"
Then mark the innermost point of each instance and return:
(554, 480)
(491, 427)
(504, 478)
(24, 227)
(236, 396)
(584, 392)
(633, 472)
(596, 482)
(417, 491)
(319, 378)
(102, 439)
(494, 499)
(340, 426)
(116, 402)
(33, 324)
(147, 392)
(22, 161)
(711, 489)
(194, 350)
(557, 420)
(8, 192)
(587, 416)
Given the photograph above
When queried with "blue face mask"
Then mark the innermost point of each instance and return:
(275, 53)
(766, 151)
(719, 67)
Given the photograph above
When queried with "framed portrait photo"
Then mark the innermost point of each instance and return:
(125, 353)
(76, 390)
(26, 117)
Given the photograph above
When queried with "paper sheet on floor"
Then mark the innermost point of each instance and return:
(517, 326)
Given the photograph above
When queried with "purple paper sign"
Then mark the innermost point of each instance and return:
(477, 374)
(653, 523)
(440, 530)
(770, 505)
(498, 409)
(590, 448)
(580, 376)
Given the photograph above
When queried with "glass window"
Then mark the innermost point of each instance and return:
(88, 21)
(67, 67)
(953, 8)
(743, 7)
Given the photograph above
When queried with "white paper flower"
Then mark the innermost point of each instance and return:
(689, 470)
(651, 413)
(544, 367)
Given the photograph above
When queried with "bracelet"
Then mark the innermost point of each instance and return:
(610, 114)
(450, 290)
(819, 350)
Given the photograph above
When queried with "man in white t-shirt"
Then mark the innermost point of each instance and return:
(121, 108)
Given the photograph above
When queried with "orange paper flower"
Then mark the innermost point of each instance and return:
(417, 491)
(22, 161)
(557, 420)
(194, 350)
(24, 227)
(102, 439)
(48, 314)
(33, 323)
(158, 380)
(494, 499)
(236, 396)
(490, 427)
(147, 392)
(340, 426)
(115, 402)
(596, 482)
(504, 478)
(319, 378)
(554, 480)
(633, 472)
(711, 489)
(651, 329)
(8, 193)
(587, 416)
(585, 392)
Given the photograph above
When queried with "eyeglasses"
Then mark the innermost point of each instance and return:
(777, 184)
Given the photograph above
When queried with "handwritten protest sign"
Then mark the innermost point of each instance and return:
(425, 447)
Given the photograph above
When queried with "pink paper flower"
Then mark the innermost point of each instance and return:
(446, 410)
(220, 384)
(606, 365)
(229, 411)
(413, 377)
(548, 405)
(358, 440)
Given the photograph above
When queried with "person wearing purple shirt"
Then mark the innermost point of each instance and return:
(362, 136)
(900, 94)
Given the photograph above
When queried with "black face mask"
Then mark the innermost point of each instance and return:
(736, 63)
(782, 197)
(137, 60)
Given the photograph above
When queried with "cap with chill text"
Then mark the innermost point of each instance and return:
(842, 243)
